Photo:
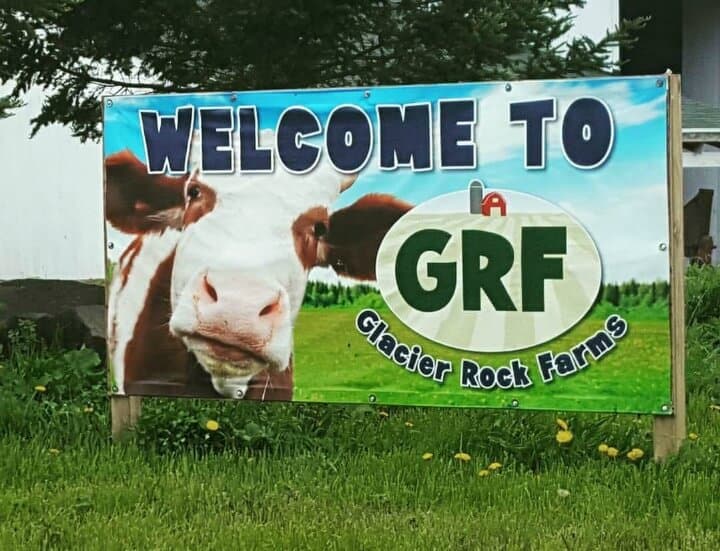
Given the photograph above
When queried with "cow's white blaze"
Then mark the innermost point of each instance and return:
(247, 240)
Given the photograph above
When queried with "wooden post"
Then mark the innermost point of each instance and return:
(124, 414)
(670, 430)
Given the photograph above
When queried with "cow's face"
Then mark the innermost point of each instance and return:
(241, 265)
(246, 246)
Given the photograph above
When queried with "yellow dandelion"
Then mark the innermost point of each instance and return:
(564, 436)
(40, 389)
(693, 436)
(212, 425)
(383, 414)
(494, 466)
(53, 451)
(635, 454)
(88, 409)
(484, 472)
(612, 452)
(409, 424)
(427, 456)
(561, 423)
(603, 448)
(462, 456)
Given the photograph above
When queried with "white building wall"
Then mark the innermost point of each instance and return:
(51, 223)
(51, 201)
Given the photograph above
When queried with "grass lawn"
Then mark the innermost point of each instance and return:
(94, 495)
(299, 476)
(335, 363)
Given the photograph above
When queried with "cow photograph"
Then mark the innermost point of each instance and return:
(205, 295)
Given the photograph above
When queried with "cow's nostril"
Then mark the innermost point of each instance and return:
(271, 308)
(209, 289)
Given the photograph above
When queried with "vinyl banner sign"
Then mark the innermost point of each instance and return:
(497, 245)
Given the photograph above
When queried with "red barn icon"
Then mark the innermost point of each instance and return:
(491, 201)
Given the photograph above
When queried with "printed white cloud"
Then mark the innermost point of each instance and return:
(328, 275)
(499, 140)
(628, 231)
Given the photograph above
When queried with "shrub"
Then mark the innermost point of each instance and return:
(40, 384)
(702, 294)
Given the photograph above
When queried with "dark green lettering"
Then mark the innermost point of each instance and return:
(500, 255)
(406, 271)
(536, 243)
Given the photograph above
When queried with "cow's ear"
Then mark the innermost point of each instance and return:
(138, 202)
(356, 231)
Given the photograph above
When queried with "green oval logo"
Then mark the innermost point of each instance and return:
(515, 272)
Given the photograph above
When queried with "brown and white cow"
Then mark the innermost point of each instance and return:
(204, 299)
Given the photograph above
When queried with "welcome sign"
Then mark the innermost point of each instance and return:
(476, 244)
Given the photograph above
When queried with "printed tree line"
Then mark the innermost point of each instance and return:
(630, 294)
(323, 295)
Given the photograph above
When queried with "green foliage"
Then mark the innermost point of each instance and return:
(41, 384)
(170, 426)
(702, 294)
(81, 49)
(702, 300)
(7, 104)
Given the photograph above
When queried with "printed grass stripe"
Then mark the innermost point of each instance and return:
(335, 363)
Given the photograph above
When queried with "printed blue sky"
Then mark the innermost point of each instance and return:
(622, 203)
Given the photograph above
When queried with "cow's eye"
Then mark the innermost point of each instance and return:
(319, 229)
(193, 192)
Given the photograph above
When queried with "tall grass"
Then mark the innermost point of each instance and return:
(276, 476)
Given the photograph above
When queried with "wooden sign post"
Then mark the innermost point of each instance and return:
(670, 430)
(124, 413)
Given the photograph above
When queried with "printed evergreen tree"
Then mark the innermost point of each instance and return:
(612, 294)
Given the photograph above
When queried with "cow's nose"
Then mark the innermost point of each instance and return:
(269, 298)
(239, 309)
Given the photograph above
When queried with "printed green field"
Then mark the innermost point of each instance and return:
(335, 363)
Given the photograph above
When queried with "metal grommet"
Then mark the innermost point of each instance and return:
(508, 87)
(663, 246)
(372, 398)
(111, 245)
